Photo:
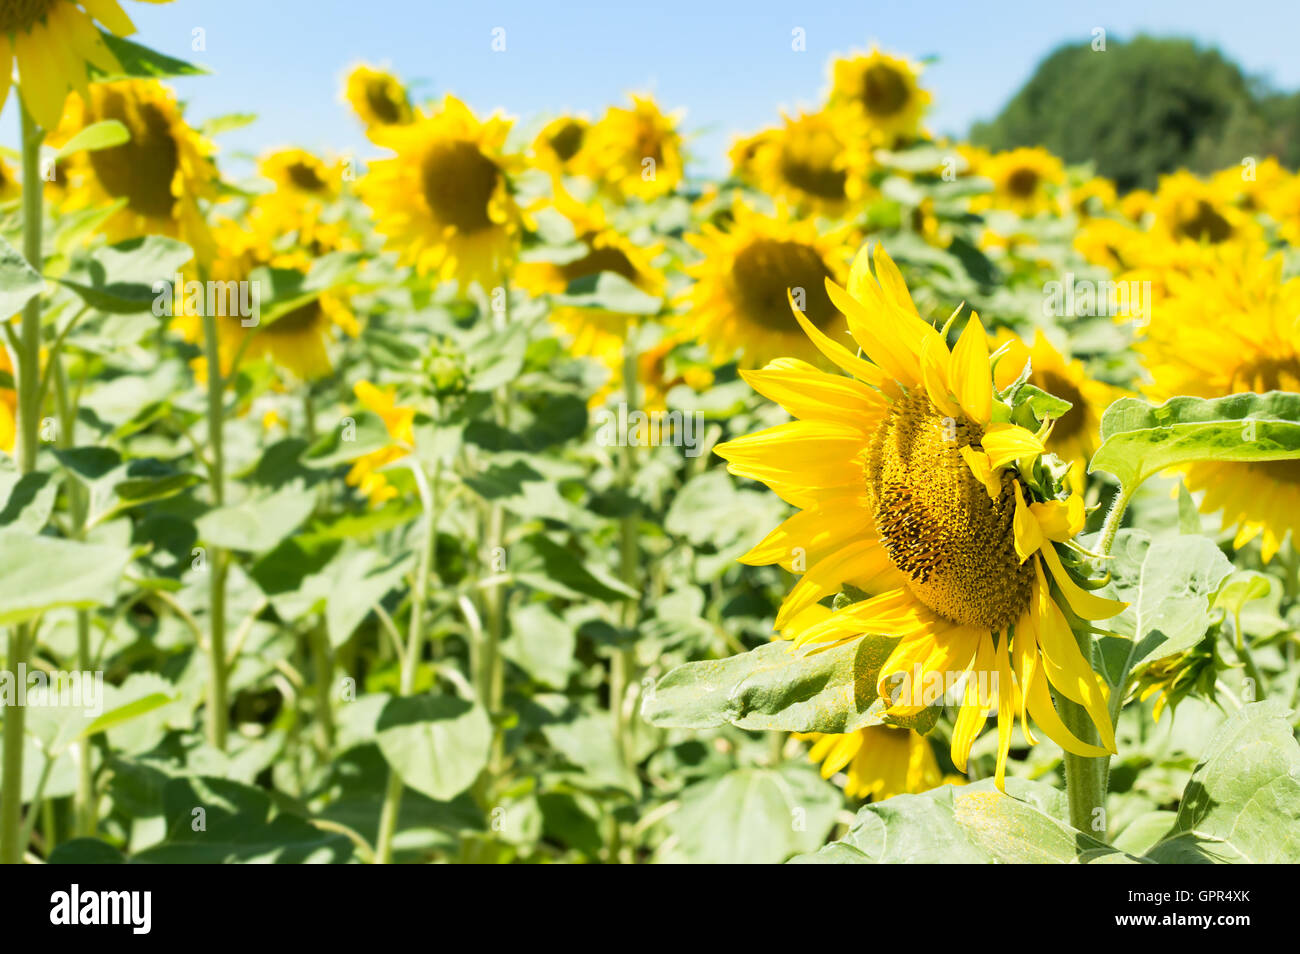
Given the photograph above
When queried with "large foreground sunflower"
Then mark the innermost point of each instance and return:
(912, 490)
(1227, 328)
(444, 202)
(53, 42)
(739, 302)
(158, 176)
(884, 90)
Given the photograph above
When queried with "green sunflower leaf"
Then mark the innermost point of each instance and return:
(755, 815)
(1242, 804)
(101, 135)
(1140, 439)
(437, 743)
(968, 824)
(19, 282)
(88, 574)
(775, 687)
(1169, 584)
(141, 62)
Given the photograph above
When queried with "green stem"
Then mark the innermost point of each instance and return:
(218, 694)
(1114, 517)
(27, 366)
(323, 660)
(392, 804)
(85, 820)
(622, 674)
(1086, 778)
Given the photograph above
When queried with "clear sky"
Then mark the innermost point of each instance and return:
(728, 64)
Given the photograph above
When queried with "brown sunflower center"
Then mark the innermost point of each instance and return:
(1071, 422)
(808, 164)
(22, 14)
(567, 140)
(937, 522)
(1268, 374)
(884, 91)
(305, 177)
(385, 102)
(1205, 225)
(298, 319)
(1022, 183)
(142, 169)
(767, 271)
(458, 184)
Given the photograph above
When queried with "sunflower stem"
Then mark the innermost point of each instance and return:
(1114, 517)
(392, 804)
(85, 819)
(623, 665)
(1086, 778)
(27, 364)
(218, 712)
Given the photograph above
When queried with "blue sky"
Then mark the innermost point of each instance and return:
(729, 65)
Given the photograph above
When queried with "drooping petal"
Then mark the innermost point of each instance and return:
(971, 381)
(1026, 534)
(1085, 604)
(860, 558)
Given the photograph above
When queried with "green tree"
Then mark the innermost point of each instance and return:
(1144, 107)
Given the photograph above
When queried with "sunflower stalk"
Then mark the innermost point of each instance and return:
(27, 364)
(623, 665)
(84, 802)
(218, 713)
(410, 664)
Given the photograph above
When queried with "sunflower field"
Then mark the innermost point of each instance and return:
(511, 494)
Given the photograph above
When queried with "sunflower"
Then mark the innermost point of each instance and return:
(1283, 205)
(879, 761)
(299, 176)
(1249, 186)
(377, 97)
(594, 332)
(1187, 209)
(558, 144)
(1095, 196)
(743, 153)
(815, 162)
(158, 176)
(634, 153)
(1230, 327)
(1023, 181)
(740, 299)
(884, 90)
(295, 337)
(1074, 435)
(54, 41)
(10, 187)
(8, 405)
(912, 491)
(444, 202)
(366, 472)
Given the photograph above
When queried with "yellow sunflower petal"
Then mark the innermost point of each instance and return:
(971, 381)
(1086, 604)
(1027, 534)
(835, 352)
(1007, 442)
